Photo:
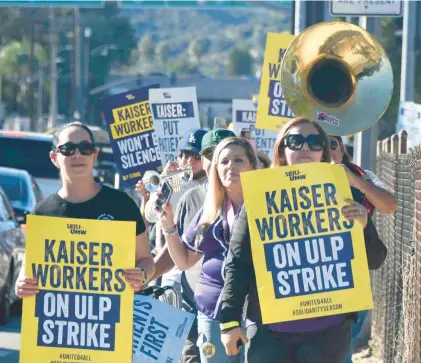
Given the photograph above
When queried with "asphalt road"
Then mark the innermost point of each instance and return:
(10, 341)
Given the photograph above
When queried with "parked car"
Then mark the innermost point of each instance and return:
(22, 190)
(12, 248)
(30, 151)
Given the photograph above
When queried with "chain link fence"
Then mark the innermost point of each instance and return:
(397, 284)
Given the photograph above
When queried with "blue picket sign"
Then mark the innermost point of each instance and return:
(159, 330)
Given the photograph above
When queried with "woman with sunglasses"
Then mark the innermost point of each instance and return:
(375, 193)
(319, 340)
(208, 236)
(74, 154)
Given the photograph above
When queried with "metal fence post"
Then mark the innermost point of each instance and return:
(403, 142)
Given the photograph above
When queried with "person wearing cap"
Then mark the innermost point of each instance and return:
(187, 154)
(188, 206)
(208, 237)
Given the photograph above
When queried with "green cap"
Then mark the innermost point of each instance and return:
(214, 137)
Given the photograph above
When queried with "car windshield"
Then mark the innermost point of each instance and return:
(15, 187)
(29, 155)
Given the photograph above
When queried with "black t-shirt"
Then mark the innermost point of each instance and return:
(108, 204)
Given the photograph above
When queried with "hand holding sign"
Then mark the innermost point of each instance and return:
(233, 339)
(135, 278)
(26, 287)
(355, 211)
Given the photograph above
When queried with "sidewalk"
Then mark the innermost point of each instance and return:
(364, 357)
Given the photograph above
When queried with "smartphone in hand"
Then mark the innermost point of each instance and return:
(164, 196)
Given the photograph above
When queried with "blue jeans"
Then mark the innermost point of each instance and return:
(356, 330)
(209, 342)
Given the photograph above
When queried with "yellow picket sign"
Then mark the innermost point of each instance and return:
(273, 111)
(309, 260)
(84, 310)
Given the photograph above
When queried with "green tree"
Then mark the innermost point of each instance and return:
(14, 69)
(113, 38)
(13, 57)
(19, 23)
(240, 62)
(198, 48)
(162, 53)
(183, 66)
(146, 48)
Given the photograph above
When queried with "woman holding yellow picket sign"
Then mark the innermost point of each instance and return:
(326, 339)
(74, 154)
(208, 236)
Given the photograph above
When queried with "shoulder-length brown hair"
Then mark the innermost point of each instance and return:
(279, 147)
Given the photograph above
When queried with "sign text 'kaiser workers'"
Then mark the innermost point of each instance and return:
(132, 134)
(174, 112)
(310, 261)
(273, 110)
(84, 305)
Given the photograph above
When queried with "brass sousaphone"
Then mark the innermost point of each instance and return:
(339, 75)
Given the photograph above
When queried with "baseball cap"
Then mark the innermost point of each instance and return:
(192, 141)
(214, 137)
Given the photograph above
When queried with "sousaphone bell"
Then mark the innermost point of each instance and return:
(338, 74)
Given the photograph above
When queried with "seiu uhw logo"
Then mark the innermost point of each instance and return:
(295, 175)
(76, 229)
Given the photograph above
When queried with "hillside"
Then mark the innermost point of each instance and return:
(224, 29)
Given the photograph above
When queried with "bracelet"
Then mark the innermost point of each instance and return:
(145, 277)
(170, 232)
(226, 327)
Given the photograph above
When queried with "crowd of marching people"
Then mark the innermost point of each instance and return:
(201, 241)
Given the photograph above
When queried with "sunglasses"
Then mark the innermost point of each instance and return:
(208, 153)
(296, 142)
(334, 144)
(189, 154)
(69, 148)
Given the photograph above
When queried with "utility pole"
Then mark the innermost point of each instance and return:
(299, 16)
(78, 65)
(31, 78)
(40, 95)
(53, 68)
(87, 39)
(365, 142)
(408, 54)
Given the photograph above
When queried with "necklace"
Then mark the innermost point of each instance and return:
(225, 224)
